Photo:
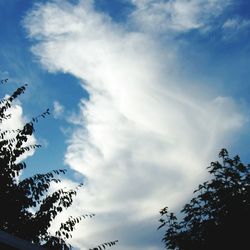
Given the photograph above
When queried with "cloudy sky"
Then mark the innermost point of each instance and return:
(143, 95)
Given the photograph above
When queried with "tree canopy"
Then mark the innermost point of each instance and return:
(27, 208)
(218, 215)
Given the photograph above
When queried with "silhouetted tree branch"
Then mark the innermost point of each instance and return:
(218, 216)
(19, 197)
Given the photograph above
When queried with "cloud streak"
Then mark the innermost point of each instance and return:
(176, 15)
(142, 140)
(58, 109)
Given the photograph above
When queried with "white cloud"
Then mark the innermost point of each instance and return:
(176, 15)
(141, 140)
(58, 109)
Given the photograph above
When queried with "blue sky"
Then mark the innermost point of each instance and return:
(147, 92)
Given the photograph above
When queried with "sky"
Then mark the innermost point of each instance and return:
(143, 94)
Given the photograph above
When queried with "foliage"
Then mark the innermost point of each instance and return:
(27, 208)
(104, 245)
(218, 216)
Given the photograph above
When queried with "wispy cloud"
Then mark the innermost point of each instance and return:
(142, 139)
(236, 24)
(58, 109)
(234, 27)
(176, 15)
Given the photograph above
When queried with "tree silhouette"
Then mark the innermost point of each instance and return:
(27, 209)
(218, 216)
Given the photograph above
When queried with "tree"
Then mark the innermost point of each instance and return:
(218, 216)
(20, 197)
